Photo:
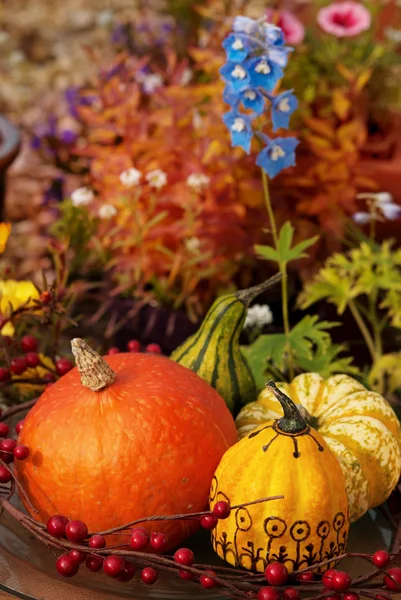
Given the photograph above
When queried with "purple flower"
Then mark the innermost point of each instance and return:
(278, 154)
(236, 75)
(283, 105)
(263, 72)
(240, 127)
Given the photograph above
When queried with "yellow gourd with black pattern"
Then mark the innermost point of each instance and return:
(288, 458)
(358, 425)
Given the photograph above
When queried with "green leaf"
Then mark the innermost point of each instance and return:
(267, 252)
(309, 333)
(285, 240)
(327, 362)
(298, 250)
(269, 347)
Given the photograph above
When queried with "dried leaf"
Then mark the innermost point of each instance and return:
(341, 104)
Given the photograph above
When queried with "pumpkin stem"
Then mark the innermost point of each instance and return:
(246, 296)
(94, 371)
(292, 422)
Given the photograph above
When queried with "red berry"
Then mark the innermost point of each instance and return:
(45, 297)
(50, 378)
(97, 541)
(350, 596)
(276, 573)
(139, 539)
(5, 475)
(291, 593)
(29, 343)
(185, 575)
(306, 576)
(207, 580)
(77, 556)
(63, 365)
(127, 573)
(380, 559)
(113, 350)
(66, 566)
(133, 346)
(76, 531)
(153, 349)
(268, 593)
(5, 374)
(209, 521)
(4, 430)
(184, 556)
(158, 541)
(7, 446)
(94, 563)
(340, 581)
(32, 359)
(21, 452)
(18, 365)
(56, 526)
(395, 573)
(222, 509)
(327, 578)
(18, 427)
(148, 575)
(113, 566)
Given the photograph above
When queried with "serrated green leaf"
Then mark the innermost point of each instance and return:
(328, 362)
(267, 252)
(269, 347)
(297, 251)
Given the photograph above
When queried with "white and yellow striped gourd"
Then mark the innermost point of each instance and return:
(358, 425)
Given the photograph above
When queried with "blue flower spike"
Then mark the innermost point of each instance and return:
(253, 100)
(245, 25)
(237, 47)
(273, 34)
(240, 127)
(264, 73)
(283, 105)
(236, 75)
(279, 154)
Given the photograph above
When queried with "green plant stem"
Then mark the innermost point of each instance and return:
(363, 329)
(283, 270)
(375, 326)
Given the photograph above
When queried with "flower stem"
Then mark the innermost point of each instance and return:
(283, 270)
(363, 329)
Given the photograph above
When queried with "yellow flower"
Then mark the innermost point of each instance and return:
(13, 295)
(35, 373)
(5, 230)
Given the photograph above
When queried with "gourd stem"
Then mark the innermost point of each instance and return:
(94, 371)
(246, 296)
(292, 422)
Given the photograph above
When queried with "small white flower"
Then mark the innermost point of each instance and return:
(186, 76)
(394, 35)
(362, 218)
(383, 198)
(238, 44)
(151, 82)
(130, 177)
(198, 181)
(82, 196)
(197, 121)
(390, 211)
(238, 125)
(258, 316)
(157, 178)
(192, 244)
(276, 153)
(263, 67)
(107, 211)
(238, 72)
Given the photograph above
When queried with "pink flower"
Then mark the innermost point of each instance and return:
(344, 19)
(294, 31)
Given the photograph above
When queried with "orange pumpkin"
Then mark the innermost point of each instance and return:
(124, 437)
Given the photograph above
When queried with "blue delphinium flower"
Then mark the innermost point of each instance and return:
(278, 154)
(256, 57)
(282, 107)
(240, 127)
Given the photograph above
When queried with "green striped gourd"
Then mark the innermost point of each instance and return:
(214, 353)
